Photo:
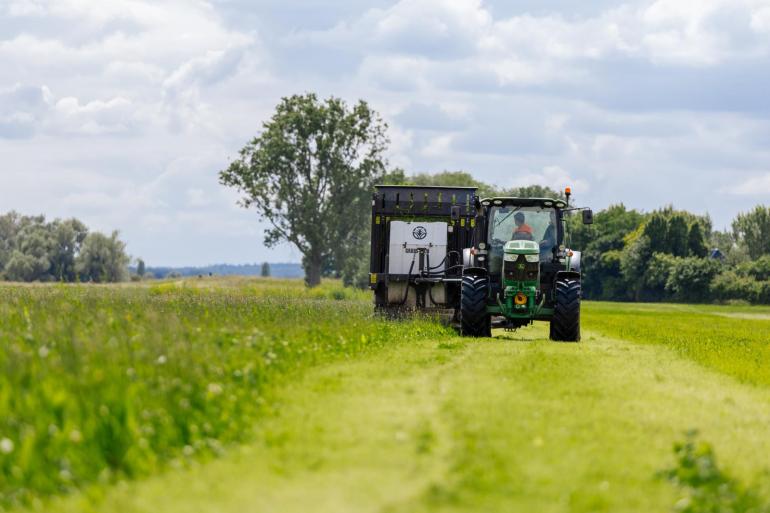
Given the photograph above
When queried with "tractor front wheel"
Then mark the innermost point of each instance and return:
(565, 325)
(475, 321)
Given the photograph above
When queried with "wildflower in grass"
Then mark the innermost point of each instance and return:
(6, 446)
(215, 389)
(161, 360)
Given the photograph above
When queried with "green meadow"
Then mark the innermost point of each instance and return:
(103, 383)
(259, 395)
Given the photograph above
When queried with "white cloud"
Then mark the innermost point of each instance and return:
(155, 59)
(94, 118)
(24, 8)
(526, 49)
(122, 112)
(757, 185)
(554, 176)
(760, 20)
(439, 146)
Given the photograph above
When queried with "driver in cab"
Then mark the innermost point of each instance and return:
(523, 231)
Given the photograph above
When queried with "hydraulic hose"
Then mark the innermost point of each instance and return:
(408, 276)
(443, 260)
(439, 273)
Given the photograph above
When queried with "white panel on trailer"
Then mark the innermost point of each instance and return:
(409, 239)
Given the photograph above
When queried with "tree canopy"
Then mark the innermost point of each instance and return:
(753, 230)
(309, 173)
(103, 259)
(465, 179)
(32, 249)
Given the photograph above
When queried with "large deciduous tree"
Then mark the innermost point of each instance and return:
(102, 259)
(310, 174)
(67, 239)
(752, 230)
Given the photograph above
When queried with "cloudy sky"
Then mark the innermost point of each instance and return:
(122, 112)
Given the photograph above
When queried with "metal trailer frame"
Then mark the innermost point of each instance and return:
(457, 206)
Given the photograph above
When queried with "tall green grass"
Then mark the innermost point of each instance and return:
(99, 383)
(734, 340)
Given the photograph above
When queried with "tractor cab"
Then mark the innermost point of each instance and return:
(538, 221)
(534, 222)
(520, 268)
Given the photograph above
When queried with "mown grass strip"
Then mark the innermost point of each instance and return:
(731, 340)
(105, 383)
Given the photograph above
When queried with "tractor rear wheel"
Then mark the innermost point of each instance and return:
(475, 321)
(565, 325)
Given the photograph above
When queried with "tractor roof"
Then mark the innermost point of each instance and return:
(524, 202)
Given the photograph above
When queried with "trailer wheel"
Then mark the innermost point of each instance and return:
(475, 321)
(565, 324)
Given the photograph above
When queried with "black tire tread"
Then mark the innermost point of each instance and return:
(565, 325)
(474, 319)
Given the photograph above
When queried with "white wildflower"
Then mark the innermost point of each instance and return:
(76, 436)
(6, 446)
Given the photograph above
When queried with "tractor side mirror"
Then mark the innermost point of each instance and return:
(455, 213)
(588, 216)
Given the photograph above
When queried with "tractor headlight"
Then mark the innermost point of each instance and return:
(533, 258)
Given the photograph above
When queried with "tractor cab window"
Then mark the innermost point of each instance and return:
(520, 223)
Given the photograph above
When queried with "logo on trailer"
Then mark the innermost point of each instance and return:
(419, 233)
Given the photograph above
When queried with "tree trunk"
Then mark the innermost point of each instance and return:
(313, 268)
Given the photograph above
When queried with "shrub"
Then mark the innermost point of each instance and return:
(729, 285)
(758, 269)
(690, 278)
(658, 273)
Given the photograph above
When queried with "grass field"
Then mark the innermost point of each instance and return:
(99, 384)
(211, 396)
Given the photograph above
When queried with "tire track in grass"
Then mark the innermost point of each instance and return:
(516, 423)
(554, 427)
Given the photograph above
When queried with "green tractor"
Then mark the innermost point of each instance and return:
(497, 262)
(520, 270)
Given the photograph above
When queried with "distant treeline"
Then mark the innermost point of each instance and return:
(673, 255)
(33, 249)
(665, 255)
(276, 270)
